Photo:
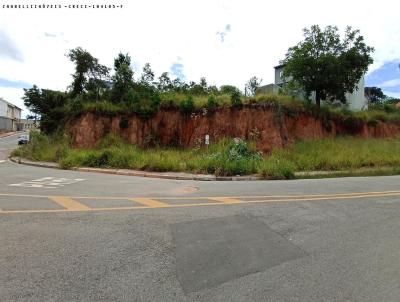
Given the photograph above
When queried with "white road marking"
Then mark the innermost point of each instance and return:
(47, 182)
(2, 161)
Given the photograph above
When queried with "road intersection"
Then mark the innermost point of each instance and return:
(77, 236)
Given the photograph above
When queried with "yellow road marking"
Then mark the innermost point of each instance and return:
(69, 203)
(225, 200)
(321, 198)
(206, 197)
(152, 203)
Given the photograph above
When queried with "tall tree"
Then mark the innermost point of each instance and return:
(122, 78)
(47, 104)
(89, 74)
(326, 64)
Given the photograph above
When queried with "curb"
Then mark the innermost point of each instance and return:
(7, 134)
(184, 176)
(126, 172)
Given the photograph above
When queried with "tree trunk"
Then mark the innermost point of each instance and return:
(318, 98)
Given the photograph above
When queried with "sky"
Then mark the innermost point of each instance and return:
(226, 41)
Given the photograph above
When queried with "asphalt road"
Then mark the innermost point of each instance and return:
(72, 236)
(7, 144)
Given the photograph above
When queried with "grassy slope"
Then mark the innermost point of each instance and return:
(224, 158)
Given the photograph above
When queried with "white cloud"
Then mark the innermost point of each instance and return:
(160, 31)
(8, 48)
(392, 94)
(390, 83)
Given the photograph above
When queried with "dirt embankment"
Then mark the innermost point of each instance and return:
(266, 125)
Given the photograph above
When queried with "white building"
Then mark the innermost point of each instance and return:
(355, 100)
(27, 125)
(10, 116)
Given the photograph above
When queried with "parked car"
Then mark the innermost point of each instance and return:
(23, 139)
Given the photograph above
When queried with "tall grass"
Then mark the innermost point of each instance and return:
(340, 154)
(174, 99)
(44, 148)
(223, 158)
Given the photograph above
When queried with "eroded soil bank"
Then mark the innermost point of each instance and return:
(269, 127)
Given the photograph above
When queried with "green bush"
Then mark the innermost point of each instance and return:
(77, 106)
(212, 102)
(143, 100)
(187, 106)
(235, 158)
(236, 100)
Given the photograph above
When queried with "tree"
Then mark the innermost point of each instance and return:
(252, 85)
(122, 78)
(33, 100)
(47, 104)
(327, 65)
(89, 76)
(203, 84)
(164, 82)
(147, 75)
(374, 95)
(212, 89)
(198, 88)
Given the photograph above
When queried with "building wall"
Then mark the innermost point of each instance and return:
(16, 113)
(268, 89)
(9, 116)
(357, 100)
(6, 124)
(278, 76)
(27, 125)
(3, 107)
